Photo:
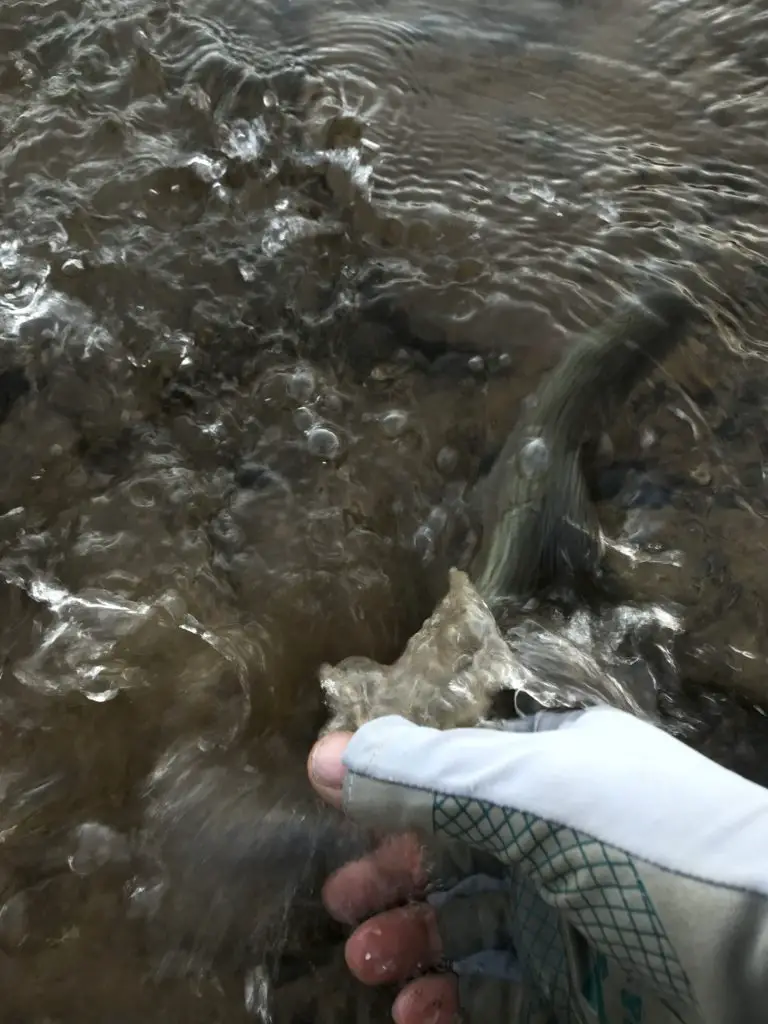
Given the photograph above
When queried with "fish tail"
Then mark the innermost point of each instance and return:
(599, 372)
(539, 525)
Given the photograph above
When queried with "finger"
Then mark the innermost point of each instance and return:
(433, 999)
(393, 873)
(395, 945)
(326, 772)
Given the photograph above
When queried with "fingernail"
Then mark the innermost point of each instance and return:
(325, 761)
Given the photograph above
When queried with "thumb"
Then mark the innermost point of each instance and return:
(326, 769)
(328, 772)
(392, 774)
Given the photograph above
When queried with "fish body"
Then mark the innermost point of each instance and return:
(538, 525)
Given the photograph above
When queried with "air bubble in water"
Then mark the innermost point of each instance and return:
(301, 384)
(534, 457)
(304, 418)
(447, 459)
(323, 443)
(394, 423)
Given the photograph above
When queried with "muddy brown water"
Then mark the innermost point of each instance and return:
(274, 278)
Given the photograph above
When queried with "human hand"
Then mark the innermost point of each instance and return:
(399, 939)
(616, 863)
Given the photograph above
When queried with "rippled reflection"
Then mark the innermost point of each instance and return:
(274, 280)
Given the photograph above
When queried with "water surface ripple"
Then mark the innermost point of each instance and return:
(274, 278)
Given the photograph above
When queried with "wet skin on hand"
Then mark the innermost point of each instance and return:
(398, 944)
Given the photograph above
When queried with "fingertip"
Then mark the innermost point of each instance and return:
(349, 892)
(393, 873)
(433, 999)
(394, 945)
(324, 766)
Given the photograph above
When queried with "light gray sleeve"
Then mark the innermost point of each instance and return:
(652, 855)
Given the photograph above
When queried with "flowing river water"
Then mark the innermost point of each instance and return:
(274, 279)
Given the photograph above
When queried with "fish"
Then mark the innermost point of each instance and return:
(538, 522)
(538, 530)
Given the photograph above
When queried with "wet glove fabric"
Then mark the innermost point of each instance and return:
(612, 875)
